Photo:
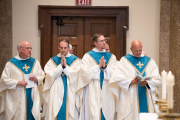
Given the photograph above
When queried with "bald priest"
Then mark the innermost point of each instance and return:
(135, 96)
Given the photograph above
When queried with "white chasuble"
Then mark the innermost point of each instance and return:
(96, 101)
(60, 88)
(134, 99)
(15, 99)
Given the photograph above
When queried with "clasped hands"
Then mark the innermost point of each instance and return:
(135, 81)
(24, 83)
(102, 62)
(63, 61)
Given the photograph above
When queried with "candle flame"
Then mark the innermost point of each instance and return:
(170, 73)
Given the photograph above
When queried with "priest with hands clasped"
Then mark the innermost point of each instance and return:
(96, 101)
(135, 96)
(60, 85)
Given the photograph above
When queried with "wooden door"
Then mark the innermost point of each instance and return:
(50, 36)
(103, 25)
(72, 30)
(79, 32)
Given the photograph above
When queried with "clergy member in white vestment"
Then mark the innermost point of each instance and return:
(71, 49)
(97, 66)
(135, 96)
(20, 100)
(60, 84)
(107, 47)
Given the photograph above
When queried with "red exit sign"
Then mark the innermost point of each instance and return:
(83, 2)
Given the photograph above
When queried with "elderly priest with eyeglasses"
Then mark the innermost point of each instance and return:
(20, 99)
(136, 83)
(96, 101)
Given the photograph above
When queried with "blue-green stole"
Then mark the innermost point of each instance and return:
(26, 67)
(140, 67)
(97, 56)
(69, 60)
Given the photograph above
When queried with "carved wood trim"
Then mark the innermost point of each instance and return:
(121, 13)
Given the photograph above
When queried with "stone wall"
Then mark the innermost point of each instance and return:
(169, 44)
(5, 32)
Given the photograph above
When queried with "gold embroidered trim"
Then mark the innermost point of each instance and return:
(33, 66)
(147, 100)
(26, 67)
(18, 69)
(136, 68)
(25, 100)
(109, 59)
(53, 62)
(137, 98)
(73, 62)
(67, 103)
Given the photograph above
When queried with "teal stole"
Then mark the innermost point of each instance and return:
(26, 66)
(97, 56)
(140, 66)
(69, 60)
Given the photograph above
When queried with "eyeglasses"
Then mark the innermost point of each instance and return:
(27, 48)
(105, 40)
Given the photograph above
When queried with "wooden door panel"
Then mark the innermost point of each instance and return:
(103, 25)
(47, 13)
(72, 31)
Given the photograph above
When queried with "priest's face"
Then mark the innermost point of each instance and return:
(136, 51)
(100, 44)
(25, 50)
(107, 48)
(63, 48)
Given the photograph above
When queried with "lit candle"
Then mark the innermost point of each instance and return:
(170, 84)
(163, 75)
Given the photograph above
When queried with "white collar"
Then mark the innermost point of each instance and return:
(96, 50)
(142, 55)
(20, 58)
(68, 55)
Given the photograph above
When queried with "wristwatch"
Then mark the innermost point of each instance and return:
(104, 67)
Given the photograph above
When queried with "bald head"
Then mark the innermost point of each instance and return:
(136, 43)
(136, 48)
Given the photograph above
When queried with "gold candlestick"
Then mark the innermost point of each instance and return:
(169, 116)
(162, 105)
(166, 114)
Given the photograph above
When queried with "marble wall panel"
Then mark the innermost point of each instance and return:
(174, 54)
(5, 32)
(169, 44)
(164, 35)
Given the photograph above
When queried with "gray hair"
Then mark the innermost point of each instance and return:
(70, 46)
(19, 45)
